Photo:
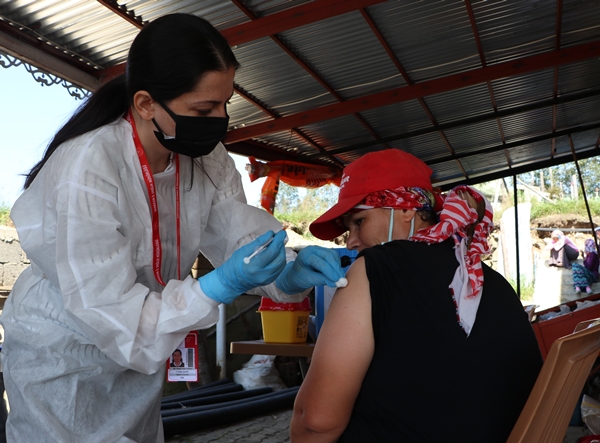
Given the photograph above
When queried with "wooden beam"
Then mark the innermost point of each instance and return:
(431, 87)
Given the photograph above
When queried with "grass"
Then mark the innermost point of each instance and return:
(5, 216)
(300, 219)
(297, 217)
(564, 206)
(541, 209)
(527, 289)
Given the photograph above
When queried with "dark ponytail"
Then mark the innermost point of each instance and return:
(167, 58)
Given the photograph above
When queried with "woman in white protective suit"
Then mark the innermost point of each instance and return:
(130, 189)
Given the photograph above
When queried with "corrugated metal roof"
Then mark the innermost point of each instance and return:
(431, 38)
(514, 28)
(327, 80)
(275, 79)
(343, 50)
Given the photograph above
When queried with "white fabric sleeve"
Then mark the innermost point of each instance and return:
(96, 274)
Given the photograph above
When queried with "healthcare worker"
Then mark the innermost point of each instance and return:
(130, 189)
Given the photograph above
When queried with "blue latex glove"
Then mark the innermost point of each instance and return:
(234, 277)
(314, 266)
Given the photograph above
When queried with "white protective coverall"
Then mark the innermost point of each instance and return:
(88, 328)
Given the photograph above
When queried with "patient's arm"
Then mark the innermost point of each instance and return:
(342, 355)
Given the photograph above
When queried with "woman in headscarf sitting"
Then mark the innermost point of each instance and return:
(584, 276)
(562, 250)
(425, 343)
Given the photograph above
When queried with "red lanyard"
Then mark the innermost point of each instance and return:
(149, 180)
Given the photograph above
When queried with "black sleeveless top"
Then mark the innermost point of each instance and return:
(428, 381)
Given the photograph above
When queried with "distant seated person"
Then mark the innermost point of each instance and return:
(562, 250)
(426, 343)
(176, 361)
(584, 276)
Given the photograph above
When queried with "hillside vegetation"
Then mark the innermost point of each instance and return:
(566, 213)
(5, 216)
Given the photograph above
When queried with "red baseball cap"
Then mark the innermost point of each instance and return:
(375, 171)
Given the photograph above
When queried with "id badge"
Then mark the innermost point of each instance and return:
(183, 363)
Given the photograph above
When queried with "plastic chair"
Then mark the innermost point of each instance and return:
(550, 405)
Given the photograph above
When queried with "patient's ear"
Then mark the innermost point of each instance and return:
(407, 215)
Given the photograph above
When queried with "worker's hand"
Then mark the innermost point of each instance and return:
(314, 266)
(234, 277)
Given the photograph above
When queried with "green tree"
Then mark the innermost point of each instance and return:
(320, 199)
(557, 179)
(287, 199)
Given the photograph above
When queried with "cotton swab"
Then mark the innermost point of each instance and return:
(341, 283)
(346, 261)
(258, 251)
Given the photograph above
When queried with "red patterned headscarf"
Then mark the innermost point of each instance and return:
(455, 220)
(456, 217)
(399, 198)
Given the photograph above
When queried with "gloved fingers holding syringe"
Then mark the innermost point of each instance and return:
(235, 276)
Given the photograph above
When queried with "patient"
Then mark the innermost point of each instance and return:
(426, 343)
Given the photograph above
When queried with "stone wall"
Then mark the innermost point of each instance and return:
(12, 258)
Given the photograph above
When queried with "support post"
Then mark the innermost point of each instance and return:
(587, 206)
(516, 201)
(221, 342)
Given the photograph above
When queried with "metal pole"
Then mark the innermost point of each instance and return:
(587, 206)
(221, 342)
(517, 236)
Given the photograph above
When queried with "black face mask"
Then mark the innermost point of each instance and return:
(194, 136)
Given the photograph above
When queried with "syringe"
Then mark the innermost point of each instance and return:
(262, 248)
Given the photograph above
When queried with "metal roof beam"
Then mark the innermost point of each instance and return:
(122, 11)
(306, 14)
(41, 56)
(538, 138)
(293, 56)
(559, 9)
(469, 121)
(431, 87)
(409, 81)
(532, 165)
(263, 151)
(291, 18)
(479, 44)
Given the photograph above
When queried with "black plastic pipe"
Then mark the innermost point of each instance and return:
(214, 406)
(188, 395)
(185, 423)
(183, 411)
(214, 384)
(221, 382)
(213, 399)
